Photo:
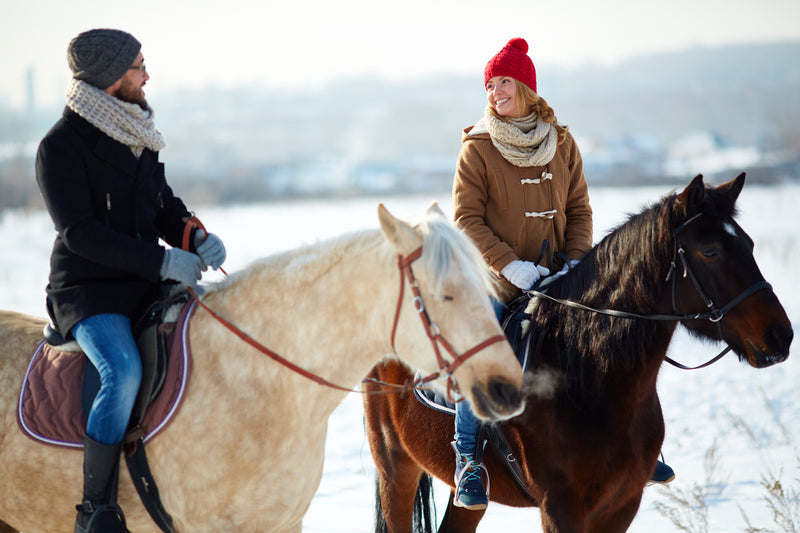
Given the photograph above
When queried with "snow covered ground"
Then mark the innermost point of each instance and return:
(749, 418)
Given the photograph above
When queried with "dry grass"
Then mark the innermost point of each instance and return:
(688, 509)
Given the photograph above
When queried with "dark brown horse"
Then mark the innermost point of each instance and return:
(592, 428)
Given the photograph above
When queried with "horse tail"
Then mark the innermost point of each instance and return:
(380, 518)
(422, 520)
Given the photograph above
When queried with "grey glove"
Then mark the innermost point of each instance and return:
(210, 249)
(181, 266)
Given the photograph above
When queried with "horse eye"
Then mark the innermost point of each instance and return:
(444, 298)
(710, 253)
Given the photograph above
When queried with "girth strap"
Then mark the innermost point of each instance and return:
(145, 484)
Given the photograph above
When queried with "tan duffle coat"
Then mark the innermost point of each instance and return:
(509, 211)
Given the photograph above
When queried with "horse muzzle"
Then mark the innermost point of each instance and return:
(500, 400)
(777, 340)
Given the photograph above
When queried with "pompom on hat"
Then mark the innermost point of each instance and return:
(101, 57)
(512, 61)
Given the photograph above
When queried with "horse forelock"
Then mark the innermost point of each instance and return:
(716, 204)
(446, 247)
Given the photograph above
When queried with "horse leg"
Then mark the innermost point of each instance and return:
(5, 528)
(398, 473)
(460, 520)
(619, 520)
(560, 514)
(397, 488)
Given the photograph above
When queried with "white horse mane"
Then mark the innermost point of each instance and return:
(444, 243)
(443, 246)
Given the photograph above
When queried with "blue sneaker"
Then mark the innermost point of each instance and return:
(469, 491)
(662, 474)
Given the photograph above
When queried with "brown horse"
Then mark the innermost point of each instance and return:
(592, 428)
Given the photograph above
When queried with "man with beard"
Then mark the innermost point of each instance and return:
(102, 183)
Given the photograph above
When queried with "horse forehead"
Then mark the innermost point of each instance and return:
(738, 233)
(453, 274)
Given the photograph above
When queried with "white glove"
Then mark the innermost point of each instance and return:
(567, 267)
(523, 274)
(210, 249)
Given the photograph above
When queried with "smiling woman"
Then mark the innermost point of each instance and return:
(520, 194)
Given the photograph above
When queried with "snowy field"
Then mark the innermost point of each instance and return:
(750, 418)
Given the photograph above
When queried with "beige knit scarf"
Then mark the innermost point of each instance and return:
(122, 121)
(523, 142)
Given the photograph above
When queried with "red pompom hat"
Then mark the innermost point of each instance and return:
(512, 61)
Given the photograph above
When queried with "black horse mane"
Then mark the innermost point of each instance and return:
(625, 271)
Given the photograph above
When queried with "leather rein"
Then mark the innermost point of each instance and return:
(434, 335)
(712, 314)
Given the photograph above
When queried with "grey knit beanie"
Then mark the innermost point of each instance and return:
(101, 57)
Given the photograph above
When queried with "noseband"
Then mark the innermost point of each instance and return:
(445, 370)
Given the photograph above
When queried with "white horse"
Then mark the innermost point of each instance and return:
(245, 451)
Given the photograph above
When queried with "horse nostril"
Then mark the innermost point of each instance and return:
(504, 394)
(778, 339)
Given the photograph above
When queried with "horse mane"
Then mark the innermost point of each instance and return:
(443, 247)
(625, 271)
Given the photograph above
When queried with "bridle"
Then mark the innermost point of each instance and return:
(712, 313)
(406, 274)
(445, 370)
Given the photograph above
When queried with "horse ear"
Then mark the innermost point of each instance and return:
(692, 196)
(400, 234)
(434, 209)
(733, 187)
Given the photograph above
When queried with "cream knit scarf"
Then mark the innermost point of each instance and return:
(523, 142)
(122, 121)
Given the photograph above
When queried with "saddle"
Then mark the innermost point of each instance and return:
(152, 332)
(44, 413)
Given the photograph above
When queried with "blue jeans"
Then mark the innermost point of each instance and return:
(107, 340)
(467, 425)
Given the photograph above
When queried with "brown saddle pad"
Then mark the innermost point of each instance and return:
(49, 409)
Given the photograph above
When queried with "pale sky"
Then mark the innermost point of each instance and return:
(298, 44)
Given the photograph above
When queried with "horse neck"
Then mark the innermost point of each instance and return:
(327, 309)
(595, 349)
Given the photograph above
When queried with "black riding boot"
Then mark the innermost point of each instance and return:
(99, 512)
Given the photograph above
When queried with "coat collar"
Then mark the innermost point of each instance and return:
(102, 146)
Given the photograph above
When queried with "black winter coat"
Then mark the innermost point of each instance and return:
(109, 210)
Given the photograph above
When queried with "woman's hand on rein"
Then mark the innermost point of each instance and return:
(524, 274)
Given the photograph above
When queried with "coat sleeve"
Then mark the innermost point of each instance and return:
(470, 197)
(63, 181)
(578, 238)
(171, 218)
